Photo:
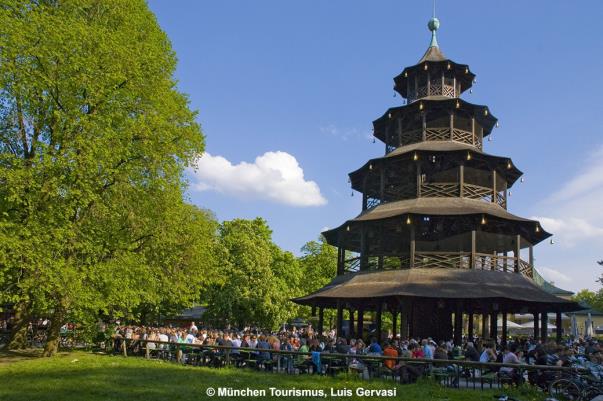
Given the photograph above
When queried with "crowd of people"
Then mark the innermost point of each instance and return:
(585, 352)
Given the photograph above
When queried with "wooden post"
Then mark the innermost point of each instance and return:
(451, 126)
(536, 325)
(462, 180)
(473, 131)
(424, 119)
(400, 131)
(124, 347)
(485, 326)
(517, 252)
(419, 181)
(360, 325)
(559, 329)
(379, 322)
(473, 249)
(458, 324)
(363, 253)
(504, 328)
(544, 326)
(147, 351)
(494, 193)
(470, 326)
(381, 185)
(321, 320)
(351, 324)
(412, 246)
(313, 310)
(531, 256)
(394, 322)
(494, 324)
(428, 84)
(339, 320)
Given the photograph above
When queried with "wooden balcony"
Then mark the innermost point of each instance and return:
(442, 260)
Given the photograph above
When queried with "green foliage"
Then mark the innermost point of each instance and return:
(94, 139)
(591, 298)
(257, 278)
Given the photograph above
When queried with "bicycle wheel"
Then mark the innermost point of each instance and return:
(565, 390)
(591, 392)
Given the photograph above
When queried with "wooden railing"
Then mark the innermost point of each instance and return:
(439, 134)
(442, 260)
(448, 189)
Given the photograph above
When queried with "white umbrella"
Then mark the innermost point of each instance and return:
(530, 325)
(588, 329)
(574, 329)
(510, 324)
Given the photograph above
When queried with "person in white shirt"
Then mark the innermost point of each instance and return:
(163, 338)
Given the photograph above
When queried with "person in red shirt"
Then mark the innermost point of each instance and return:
(416, 351)
(390, 351)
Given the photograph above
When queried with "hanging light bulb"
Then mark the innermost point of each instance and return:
(489, 138)
(389, 115)
(370, 166)
(468, 155)
(415, 157)
(509, 165)
(349, 181)
(374, 140)
(347, 228)
(408, 220)
(470, 90)
(405, 74)
(497, 125)
(466, 70)
(521, 179)
(352, 194)
(510, 193)
(485, 112)
(458, 104)
(425, 67)
(474, 80)
(552, 241)
(421, 106)
(537, 228)
(483, 219)
(449, 66)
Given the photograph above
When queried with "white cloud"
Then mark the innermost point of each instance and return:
(589, 180)
(345, 134)
(554, 276)
(275, 176)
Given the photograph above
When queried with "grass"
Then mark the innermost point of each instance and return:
(91, 377)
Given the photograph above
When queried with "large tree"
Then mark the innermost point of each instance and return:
(94, 137)
(257, 278)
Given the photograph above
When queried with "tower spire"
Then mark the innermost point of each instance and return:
(433, 26)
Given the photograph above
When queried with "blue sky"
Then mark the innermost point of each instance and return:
(287, 91)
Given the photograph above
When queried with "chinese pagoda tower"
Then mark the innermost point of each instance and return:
(434, 244)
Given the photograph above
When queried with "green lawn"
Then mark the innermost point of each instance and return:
(88, 377)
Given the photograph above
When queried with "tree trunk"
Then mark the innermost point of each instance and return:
(18, 335)
(54, 332)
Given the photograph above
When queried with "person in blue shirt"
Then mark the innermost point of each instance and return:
(375, 348)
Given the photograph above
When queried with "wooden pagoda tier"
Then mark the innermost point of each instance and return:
(434, 238)
(434, 119)
(435, 169)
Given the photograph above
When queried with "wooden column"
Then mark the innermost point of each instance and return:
(559, 329)
(517, 252)
(458, 324)
(428, 84)
(339, 322)
(340, 261)
(470, 333)
(381, 185)
(379, 322)
(504, 328)
(494, 324)
(419, 180)
(360, 324)
(451, 126)
(394, 323)
(363, 249)
(351, 324)
(536, 327)
(313, 310)
(424, 119)
(461, 180)
(531, 256)
(473, 131)
(411, 319)
(412, 246)
(544, 325)
(321, 320)
(400, 131)
(404, 318)
(485, 326)
(473, 249)
(494, 193)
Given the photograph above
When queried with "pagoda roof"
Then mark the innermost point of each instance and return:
(511, 174)
(367, 287)
(433, 53)
(445, 206)
(482, 113)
